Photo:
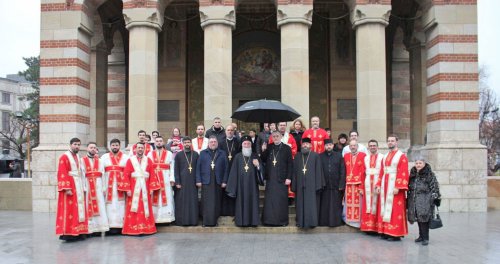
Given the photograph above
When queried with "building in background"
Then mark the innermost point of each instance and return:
(110, 68)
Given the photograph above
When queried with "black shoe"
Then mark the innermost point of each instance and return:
(391, 238)
(425, 242)
(383, 237)
(419, 239)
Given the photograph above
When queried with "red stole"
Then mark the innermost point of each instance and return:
(159, 165)
(147, 148)
(115, 172)
(355, 174)
(91, 173)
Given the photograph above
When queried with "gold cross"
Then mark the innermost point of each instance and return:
(246, 168)
(212, 165)
(229, 157)
(274, 162)
(304, 170)
(190, 168)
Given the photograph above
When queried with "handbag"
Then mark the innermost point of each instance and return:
(436, 220)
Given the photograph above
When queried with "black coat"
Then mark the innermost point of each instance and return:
(423, 190)
(220, 134)
(297, 135)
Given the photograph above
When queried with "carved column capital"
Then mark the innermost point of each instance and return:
(295, 13)
(143, 17)
(217, 14)
(371, 13)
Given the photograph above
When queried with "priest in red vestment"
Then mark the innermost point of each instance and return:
(392, 188)
(355, 176)
(317, 136)
(138, 185)
(370, 204)
(71, 220)
(142, 138)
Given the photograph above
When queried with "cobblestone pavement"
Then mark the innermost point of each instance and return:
(27, 237)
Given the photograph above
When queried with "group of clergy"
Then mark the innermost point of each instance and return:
(130, 194)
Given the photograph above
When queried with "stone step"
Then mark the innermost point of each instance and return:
(290, 229)
(291, 208)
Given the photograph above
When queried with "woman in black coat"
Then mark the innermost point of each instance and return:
(423, 194)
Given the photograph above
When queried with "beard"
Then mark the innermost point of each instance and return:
(115, 151)
(305, 150)
(187, 149)
(159, 147)
(392, 147)
(247, 152)
(75, 151)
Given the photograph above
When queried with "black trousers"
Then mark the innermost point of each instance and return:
(423, 230)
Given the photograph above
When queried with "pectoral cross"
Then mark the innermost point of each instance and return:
(212, 165)
(274, 162)
(246, 168)
(304, 170)
(229, 157)
(190, 168)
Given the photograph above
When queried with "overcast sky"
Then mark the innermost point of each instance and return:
(20, 31)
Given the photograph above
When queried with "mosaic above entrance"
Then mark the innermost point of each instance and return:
(256, 66)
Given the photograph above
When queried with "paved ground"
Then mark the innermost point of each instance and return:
(27, 237)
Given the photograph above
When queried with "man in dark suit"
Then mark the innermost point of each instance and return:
(211, 170)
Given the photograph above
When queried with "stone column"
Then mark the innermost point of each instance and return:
(294, 21)
(64, 92)
(143, 25)
(453, 147)
(370, 21)
(218, 20)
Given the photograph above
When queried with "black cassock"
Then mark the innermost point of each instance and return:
(307, 187)
(242, 184)
(231, 147)
(330, 212)
(186, 198)
(276, 196)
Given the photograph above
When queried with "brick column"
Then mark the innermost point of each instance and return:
(218, 20)
(453, 146)
(400, 82)
(98, 95)
(294, 21)
(144, 21)
(117, 85)
(418, 96)
(369, 21)
(64, 92)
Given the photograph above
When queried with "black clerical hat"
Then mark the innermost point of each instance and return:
(246, 138)
(306, 140)
(328, 141)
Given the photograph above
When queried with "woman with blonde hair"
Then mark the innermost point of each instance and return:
(297, 129)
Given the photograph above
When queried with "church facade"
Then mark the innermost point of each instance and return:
(110, 68)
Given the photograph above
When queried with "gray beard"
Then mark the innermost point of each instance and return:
(247, 152)
(305, 150)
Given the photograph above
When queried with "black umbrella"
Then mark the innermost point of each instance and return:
(265, 111)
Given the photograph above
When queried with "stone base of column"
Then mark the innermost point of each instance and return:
(461, 173)
(44, 173)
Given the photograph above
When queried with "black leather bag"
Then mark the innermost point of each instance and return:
(436, 220)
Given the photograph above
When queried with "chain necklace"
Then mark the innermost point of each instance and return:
(305, 163)
(274, 155)
(246, 163)
(190, 161)
(229, 150)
